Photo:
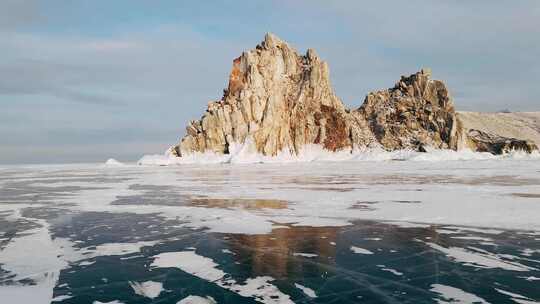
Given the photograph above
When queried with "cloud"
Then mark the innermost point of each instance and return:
(63, 91)
(18, 13)
(485, 50)
(152, 62)
(67, 78)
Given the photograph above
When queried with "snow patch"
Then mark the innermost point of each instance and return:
(360, 250)
(246, 153)
(113, 163)
(373, 239)
(61, 298)
(86, 263)
(531, 278)
(516, 297)
(190, 262)
(482, 259)
(306, 290)
(119, 248)
(305, 255)
(19, 258)
(205, 268)
(451, 294)
(197, 300)
(472, 238)
(149, 289)
(393, 271)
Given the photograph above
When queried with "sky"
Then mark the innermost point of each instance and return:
(84, 81)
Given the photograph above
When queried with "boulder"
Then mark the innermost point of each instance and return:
(416, 113)
(485, 142)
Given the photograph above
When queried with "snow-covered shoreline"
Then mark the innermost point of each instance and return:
(246, 154)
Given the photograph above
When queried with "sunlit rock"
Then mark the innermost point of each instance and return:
(282, 101)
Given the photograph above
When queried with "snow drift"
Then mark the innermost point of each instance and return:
(246, 153)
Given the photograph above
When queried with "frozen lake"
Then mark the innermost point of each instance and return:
(322, 232)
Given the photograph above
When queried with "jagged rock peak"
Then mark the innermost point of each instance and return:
(272, 41)
(276, 97)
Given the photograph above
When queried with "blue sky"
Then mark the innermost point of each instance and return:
(82, 81)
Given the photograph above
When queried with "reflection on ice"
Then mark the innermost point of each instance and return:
(239, 203)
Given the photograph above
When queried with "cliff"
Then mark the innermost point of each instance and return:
(282, 100)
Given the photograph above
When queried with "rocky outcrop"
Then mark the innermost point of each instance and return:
(523, 125)
(487, 142)
(281, 101)
(416, 113)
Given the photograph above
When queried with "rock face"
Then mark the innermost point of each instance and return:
(416, 113)
(486, 142)
(282, 101)
(524, 125)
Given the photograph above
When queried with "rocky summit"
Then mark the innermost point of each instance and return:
(281, 101)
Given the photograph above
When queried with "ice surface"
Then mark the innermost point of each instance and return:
(467, 201)
(19, 258)
(447, 192)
